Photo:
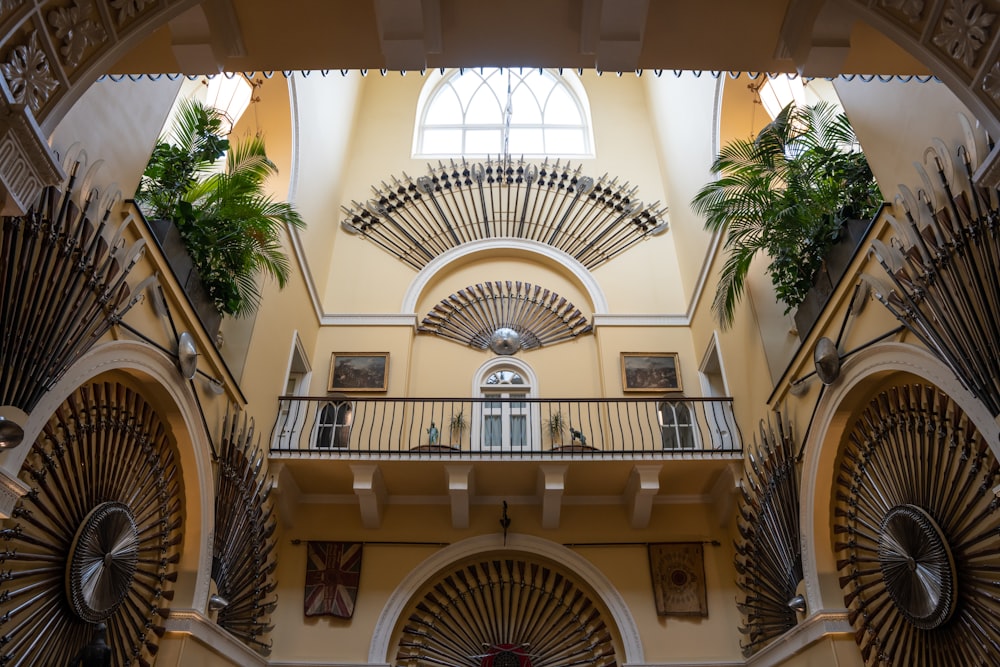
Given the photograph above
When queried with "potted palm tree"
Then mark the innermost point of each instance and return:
(556, 427)
(787, 193)
(457, 426)
(229, 225)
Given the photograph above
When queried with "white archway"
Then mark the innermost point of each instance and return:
(823, 592)
(378, 652)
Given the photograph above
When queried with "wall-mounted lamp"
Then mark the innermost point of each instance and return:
(11, 427)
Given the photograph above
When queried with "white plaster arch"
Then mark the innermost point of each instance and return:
(542, 250)
(823, 592)
(198, 483)
(378, 652)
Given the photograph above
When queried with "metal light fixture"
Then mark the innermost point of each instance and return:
(217, 603)
(11, 433)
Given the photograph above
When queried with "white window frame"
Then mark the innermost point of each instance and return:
(533, 439)
(437, 81)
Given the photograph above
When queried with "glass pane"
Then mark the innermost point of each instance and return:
(561, 109)
(492, 432)
(481, 142)
(686, 434)
(444, 109)
(568, 141)
(527, 110)
(485, 108)
(493, 405)
(526, 141)
(442, 142)
(540, 82)
(518, 430)
(466, 86)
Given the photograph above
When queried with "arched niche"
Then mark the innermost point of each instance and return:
(516, 543)
(860, 378)
(155, 376)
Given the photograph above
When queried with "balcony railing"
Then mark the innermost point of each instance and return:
(644, 427)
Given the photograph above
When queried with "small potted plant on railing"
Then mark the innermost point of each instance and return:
(457, 425)
(556, 426)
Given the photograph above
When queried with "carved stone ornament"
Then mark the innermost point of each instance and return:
(964, 29)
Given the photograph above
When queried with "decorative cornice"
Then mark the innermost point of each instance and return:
(202, 629)
(11, 490)
(626, 320)
(26, 163)
(369, 320)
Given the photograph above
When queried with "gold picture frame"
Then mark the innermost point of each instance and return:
(359, 371)
(650, 371)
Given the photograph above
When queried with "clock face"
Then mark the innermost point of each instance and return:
(505, 341)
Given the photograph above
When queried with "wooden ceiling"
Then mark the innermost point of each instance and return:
(611, 35)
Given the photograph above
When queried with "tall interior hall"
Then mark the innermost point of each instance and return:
(490, 416)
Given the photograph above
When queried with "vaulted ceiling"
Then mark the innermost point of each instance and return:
(619, 35)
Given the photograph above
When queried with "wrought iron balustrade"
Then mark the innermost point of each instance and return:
(472, 427)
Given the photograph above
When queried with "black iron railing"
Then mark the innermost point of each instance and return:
(355, 427)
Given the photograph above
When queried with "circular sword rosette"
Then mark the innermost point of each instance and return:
(918, 534)
(102, 561)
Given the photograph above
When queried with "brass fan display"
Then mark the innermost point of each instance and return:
(243, 556)
(768, 553)
(505, 316)
(502, 611)
(418, 219)
(97, 538)
(918, 533)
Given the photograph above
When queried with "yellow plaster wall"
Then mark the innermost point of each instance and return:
(385, 566)
(381, 143)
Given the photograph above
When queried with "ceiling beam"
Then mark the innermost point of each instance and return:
(613, 32)
(407, 31)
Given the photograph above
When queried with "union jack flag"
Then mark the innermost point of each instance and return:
(333, 570)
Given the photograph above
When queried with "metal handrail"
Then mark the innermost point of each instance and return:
(354, 426)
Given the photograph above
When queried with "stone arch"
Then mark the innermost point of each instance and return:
(159, 377)
(516, 543)
(857, 377)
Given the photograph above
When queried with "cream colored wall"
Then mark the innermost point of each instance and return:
(381, 143)
(385, 566)
(117, 122)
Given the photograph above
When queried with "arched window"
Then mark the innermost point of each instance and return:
(677, 425)
(504, 420)
(333, 425)
(491, 111)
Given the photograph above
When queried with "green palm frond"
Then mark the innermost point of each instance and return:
(785, 192)
(233, 229)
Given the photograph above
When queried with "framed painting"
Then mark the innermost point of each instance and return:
(678, 573)
(650, 371)
(359, 371)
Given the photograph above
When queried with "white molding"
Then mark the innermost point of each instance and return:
(369, 486)
(351, 499)
(461, 487)
(551, 487)
(369, 320)
(621, 615)
(818, 626)
(201, 628)
(627, 320)
(598, 301)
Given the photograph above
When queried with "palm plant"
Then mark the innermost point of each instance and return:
(786, 193)
(230, 226)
